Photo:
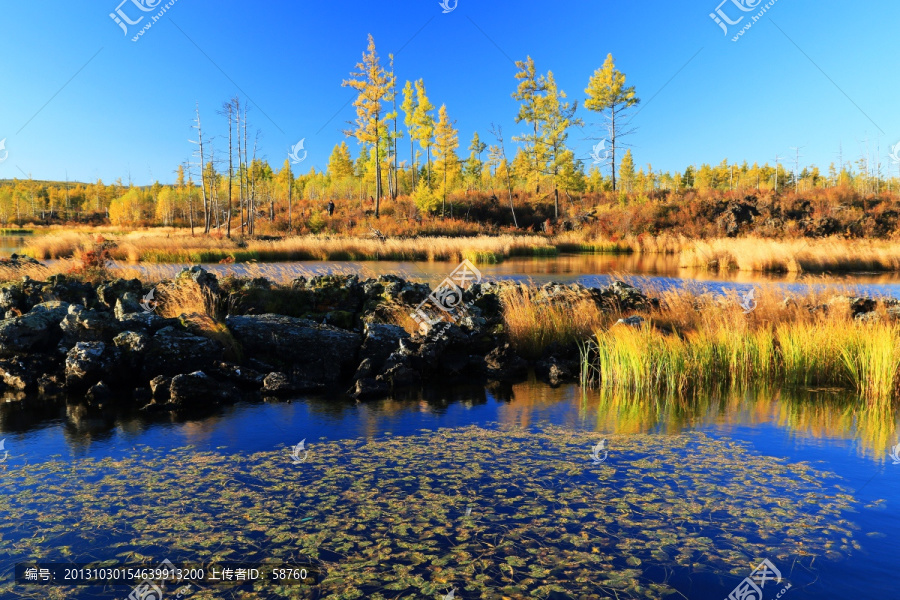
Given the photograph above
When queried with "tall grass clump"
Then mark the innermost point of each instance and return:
(534, 321)
(703, 342)
(871, 357)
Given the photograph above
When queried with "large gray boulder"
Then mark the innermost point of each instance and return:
(36, 330)
(87, 363)
(110, 292)
(85, 325)
(199, 389)
(132, 345)
(381, 341)
(309, 352)
(172, 351)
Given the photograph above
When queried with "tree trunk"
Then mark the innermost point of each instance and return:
(412, 161)
(377, 173)
(556, 204)
(230, 168)
(290, 198)
(612, 134)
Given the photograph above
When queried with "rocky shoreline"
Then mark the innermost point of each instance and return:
(104, 342)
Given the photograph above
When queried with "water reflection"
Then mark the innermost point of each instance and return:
(806, 414)
(814, 415)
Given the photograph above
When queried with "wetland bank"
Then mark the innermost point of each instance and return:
(438, 462)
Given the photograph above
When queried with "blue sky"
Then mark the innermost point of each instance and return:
(79, 97)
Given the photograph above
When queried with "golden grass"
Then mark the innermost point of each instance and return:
(744, 254)
(792, 256)
(533, 322)
(180, 248)
(695, 341)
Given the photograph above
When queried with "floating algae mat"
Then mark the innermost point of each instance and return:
(489, 513)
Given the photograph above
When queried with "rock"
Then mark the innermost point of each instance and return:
(308, 352)
(173, 350)
(17, 261)
(86, 364)
(621, 297)
(737, 214)
(129, 303)
(869, 317)
(855, 305)
(369, 387)
(24, 372)
(277, 382)
(49, 385)
(200, 276)
(505, 365)
(400, 375)
(159, 388)
(36, 330)
(99, 394)
(632, 321)
(441, 340)
(132, 345)
(199, 389)
(365, 369)
(110, 292)
(241, 376)
(145, 321)
(12, 298)
(380, 342)
(823, 226)
(555, 371)
(84, 325)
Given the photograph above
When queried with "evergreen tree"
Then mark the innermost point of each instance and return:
(374, 85)
(608, 95)
(446, 141)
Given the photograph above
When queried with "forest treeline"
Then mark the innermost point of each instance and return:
(410, 166)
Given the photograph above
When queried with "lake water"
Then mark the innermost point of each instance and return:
(645, 271)
(489, 491)
(746, 438)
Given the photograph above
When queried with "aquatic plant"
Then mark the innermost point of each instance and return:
(390, 517)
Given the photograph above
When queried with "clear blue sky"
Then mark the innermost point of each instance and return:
(78, 96)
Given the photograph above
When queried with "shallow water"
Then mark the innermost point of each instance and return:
(645, 271)
(528, 469)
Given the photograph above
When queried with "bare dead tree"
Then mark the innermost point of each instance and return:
(202, 164)
(228, 111)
